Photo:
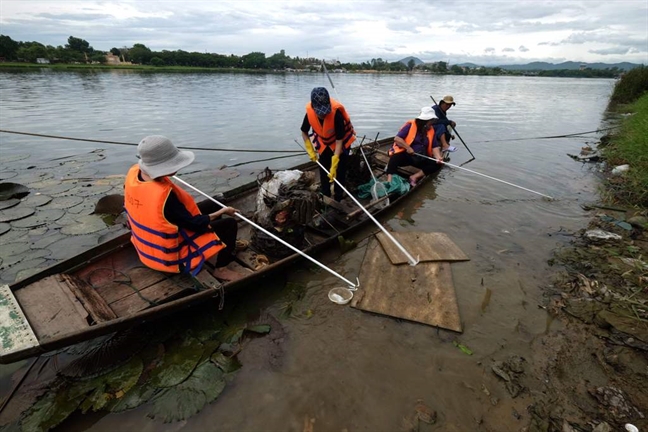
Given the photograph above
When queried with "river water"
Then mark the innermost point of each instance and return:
(343, 369)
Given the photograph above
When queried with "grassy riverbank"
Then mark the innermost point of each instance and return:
(603, 284)
(630, 144)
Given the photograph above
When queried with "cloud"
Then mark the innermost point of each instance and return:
(610, 51)
(350, 31)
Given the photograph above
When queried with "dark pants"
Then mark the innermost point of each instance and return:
(325, 159)
(226, 228)
(404, 159)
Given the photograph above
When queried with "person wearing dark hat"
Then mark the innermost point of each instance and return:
(332, 135)
(416, 137)
(168, 229)
(442, 128)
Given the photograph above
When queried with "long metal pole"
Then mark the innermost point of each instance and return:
(457, 132)
(410, 258)
(352, 286)
(484, 175)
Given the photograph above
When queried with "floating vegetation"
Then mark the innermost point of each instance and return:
(65, 202)
(9, 203)
(110, 204)
(36, 200)
(4, 227)
(84, 225)
(175, 376)
(12, 190)
(42, 217)
(6, 175)
(15, 213)
(14, 158)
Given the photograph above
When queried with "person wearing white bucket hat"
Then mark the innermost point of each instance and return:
(416, 136)
(168, 230)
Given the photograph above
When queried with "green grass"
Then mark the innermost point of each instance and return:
(630, 146)
(631, 86)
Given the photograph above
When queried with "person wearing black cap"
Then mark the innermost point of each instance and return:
(332, 135)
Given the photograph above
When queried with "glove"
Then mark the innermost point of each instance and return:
(310, 150)
(335, 160)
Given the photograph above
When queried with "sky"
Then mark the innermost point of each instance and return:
(457, 31)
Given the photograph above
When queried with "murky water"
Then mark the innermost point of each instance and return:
(342, 368)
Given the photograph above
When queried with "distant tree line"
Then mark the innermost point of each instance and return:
(78, 50)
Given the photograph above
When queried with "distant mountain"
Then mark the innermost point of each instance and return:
(570, 65)
(470, 65)
(417, 61)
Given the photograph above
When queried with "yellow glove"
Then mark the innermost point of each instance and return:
(310, 150)
(335, 160)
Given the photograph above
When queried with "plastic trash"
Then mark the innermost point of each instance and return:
(631, 428)
(618, 170)
(599, 234)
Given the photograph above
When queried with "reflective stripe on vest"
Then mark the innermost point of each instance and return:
(409, 139)
(324, 132)
(160, 244)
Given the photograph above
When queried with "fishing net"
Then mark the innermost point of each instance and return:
(397, 186)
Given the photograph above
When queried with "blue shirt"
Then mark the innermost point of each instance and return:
(443, 119)
(440, 129)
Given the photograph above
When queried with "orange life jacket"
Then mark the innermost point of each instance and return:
(160, 244)
(324, 133)
(409, 139)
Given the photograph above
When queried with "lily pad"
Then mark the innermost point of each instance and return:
(85, 208)
(261, 329)
(6, 175)
(94, 190)
(70, 246)
(49, 411)
(84, 225)
(12, 190)
(24, 269)
(14, 158)
(4, 227)
(180, 359)
(65, 202)
(60, 189)
(49, 183)
(113, 385)
(15, 213)
(137, 396)
(190, 397)
(36, 200)
(225, 363)
(110, 204)
(9, 249)
(44, 242)
(9, 203)
(42, 217)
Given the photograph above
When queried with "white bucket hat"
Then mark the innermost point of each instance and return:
(159, 157)
(427, 113)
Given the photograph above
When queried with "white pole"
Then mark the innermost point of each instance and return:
(484, 175)
(352, 286)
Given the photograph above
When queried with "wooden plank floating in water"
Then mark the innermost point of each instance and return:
(423, 293)
(428, 246)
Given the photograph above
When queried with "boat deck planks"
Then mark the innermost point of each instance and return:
(423, 293)
(162, 291)
(427, 246)
(51, 308)
(89, 298)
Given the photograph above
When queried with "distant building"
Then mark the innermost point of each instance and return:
(583, 67)
(41, 60)
(114, 60)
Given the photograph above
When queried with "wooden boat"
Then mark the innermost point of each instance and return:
(107, 289)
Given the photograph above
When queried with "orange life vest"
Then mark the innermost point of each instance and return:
(324, 132)
(409, 139)
(160, 244)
